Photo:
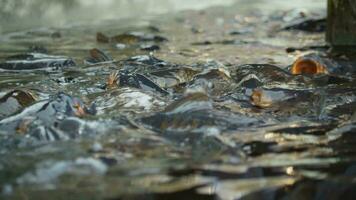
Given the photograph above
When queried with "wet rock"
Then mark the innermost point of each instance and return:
(15, 101)
(36, 61)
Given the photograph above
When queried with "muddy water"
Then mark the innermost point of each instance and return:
(215, 113)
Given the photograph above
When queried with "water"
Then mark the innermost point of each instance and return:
(208, 126)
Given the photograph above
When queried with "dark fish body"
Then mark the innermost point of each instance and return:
(15, 101)
(168, 78)
(98, 56)
(278, 97)
(194, 113)
(130, 38)
(139, 81)
(265, 73)
(314, 25)
(45, 114)
(36, 61)
(147, 60)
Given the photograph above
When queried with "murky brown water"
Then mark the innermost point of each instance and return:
(218, 115)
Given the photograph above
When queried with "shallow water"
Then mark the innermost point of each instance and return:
(208, 126)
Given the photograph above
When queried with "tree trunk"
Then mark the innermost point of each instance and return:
(341, 23)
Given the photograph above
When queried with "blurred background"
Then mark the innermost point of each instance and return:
(29, 13)
(23, 14)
